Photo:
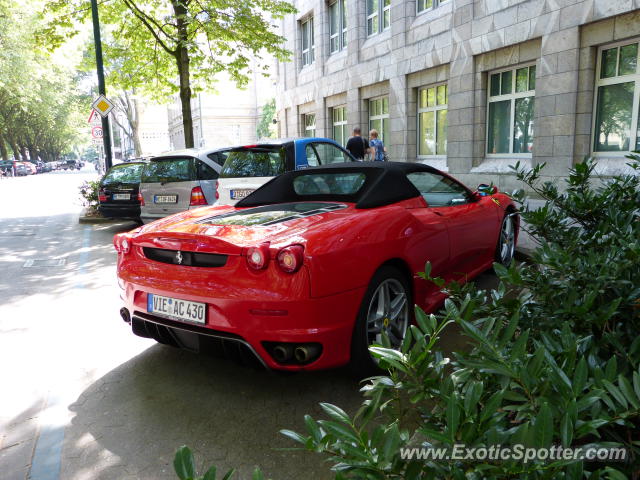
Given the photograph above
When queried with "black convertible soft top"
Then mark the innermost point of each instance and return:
(385, 183)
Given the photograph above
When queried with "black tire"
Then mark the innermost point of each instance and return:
(505, 249)
(362, 363)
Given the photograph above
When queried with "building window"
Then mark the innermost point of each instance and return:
(618, 99)
(339, 123)
(337, 26)
(307, 42)
(510, 112)
(432, 120)
(379, 117)
(378, 16)
(309, 125)
(423, 5)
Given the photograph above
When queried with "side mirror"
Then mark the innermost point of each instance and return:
(485, 190)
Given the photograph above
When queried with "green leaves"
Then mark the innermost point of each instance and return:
(184, 464)
(543, 427)
(185, 467)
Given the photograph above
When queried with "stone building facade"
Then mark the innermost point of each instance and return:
(469, 86)
(227, 116)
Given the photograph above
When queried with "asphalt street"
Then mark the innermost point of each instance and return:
(83, 398)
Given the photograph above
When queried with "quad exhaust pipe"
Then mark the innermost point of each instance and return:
(293, 353)
(306, 353)
(282, 353)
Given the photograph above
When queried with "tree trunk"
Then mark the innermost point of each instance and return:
(3, 149)
(33, 154)
(23, 153)
(14, 149)
(135, 125)
(183, 61)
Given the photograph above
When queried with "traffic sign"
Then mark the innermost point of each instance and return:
(96, 132)
(103, 105)
(94, 118)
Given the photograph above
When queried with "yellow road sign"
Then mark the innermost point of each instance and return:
(102, 105)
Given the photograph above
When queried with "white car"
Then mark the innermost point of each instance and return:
(247, 168)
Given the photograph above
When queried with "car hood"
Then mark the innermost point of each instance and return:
(227, 230)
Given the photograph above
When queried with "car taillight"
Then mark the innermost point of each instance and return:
(102, 197)
(140, 199)
(217, 192)
(197, 197)
(258, 257)
(290, 258)
(122, 243)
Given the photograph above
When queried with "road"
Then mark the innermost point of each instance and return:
(83, 398)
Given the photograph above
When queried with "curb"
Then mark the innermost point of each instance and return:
(523, 254)
(92, 219)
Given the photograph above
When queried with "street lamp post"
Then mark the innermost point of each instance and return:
(106, 134)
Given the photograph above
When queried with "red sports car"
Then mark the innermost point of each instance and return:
(309, 270)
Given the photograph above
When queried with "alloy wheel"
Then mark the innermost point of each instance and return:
(388, 313)
(507, 241)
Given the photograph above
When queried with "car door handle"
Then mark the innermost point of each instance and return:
(440, 214)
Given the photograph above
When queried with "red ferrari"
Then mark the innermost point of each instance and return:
(312, 268)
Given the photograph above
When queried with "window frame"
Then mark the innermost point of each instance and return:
(618, 79)
(512, 97)
(307, 128)
(435, 4)
(435, 109)
(308, 54)
(341, 34)
(381, 117)
(340, 123)
(380, 14)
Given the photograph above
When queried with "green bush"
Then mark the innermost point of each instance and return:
(89, 196)
(553, 355)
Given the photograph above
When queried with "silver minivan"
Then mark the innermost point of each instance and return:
(178, 181)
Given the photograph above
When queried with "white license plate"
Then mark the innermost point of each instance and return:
(122, 196)
(165, 199)
(184, 310)
(240, 193)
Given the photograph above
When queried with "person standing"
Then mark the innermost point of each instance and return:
(377, 147)
(357, 145)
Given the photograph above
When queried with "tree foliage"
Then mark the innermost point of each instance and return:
(39, 99)
(265, 125)
(164, 47)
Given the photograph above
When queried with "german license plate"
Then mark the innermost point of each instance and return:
(183, 310)
(240, 193)
(122, 196)
(165, 199)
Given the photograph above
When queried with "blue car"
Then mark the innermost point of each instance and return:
(248, 167)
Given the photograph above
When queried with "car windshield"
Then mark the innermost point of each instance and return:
(262, 161)
(166, 170)
(328, 183)
(124, 174)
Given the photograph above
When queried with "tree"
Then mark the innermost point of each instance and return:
(39, 99)
(188, 40)
(264, 127)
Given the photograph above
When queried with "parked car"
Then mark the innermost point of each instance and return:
(71, 165)
(22, 170)
(310, 269)
(178, 181)
(31, 167)
(119, 191)
(249, 167)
